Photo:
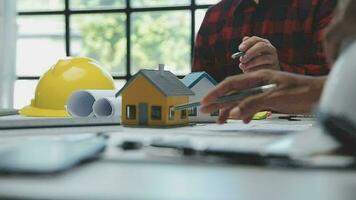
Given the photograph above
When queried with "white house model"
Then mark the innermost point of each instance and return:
(201, 83)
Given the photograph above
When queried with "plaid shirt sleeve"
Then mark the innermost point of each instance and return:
(205, 58)
(319, 66)
(300, 49)
(203, 54)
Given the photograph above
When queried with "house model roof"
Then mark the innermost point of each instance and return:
(164, 81)
(193, 78)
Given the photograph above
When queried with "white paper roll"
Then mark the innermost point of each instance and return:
(80, 103)
(107, 107)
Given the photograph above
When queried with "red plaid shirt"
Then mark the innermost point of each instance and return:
(294, 27)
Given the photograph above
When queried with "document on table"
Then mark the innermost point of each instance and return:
(19, 122)
(254, 128)
(234, 135)
(230, 129)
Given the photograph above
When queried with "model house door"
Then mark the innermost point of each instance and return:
(143, 114)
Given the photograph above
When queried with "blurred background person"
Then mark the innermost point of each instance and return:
(294, 93)
(274, 34)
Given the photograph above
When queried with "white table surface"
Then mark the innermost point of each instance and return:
(121, 175)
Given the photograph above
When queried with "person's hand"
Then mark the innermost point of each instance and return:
(341, 27)
(259, 54)
(294, 94)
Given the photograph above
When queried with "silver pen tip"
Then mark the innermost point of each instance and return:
(269, 87)
(237, 55)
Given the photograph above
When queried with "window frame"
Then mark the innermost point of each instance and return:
(156, 108)
(215, 113)
(171, 113)
(128, 11)
(193, 112)
(183, 114)
(128, 112)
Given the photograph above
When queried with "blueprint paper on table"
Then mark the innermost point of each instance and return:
(232, 135)
(303, 141)
(254, 128)
(306, 143)
(20, 122)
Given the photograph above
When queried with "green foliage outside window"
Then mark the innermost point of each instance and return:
(156, 37)
(103, 37)
(80, 4)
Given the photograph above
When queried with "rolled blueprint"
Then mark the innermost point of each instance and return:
(80, 103)
(107, 107)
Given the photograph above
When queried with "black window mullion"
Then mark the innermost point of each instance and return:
(128, 40)
(67, 27)
(28, 77)
(193, 7)
(192, 39)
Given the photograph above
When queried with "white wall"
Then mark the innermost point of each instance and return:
(202, 88)
(7, 51)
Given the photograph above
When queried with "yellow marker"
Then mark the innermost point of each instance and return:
(261, 115)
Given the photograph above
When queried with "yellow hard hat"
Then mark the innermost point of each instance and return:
(60, 81)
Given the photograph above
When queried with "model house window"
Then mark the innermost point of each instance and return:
(156, 112)
(123, 35)
(214, 114)
(171, 113)
(131, 112)
(183, 114)
(193, 112)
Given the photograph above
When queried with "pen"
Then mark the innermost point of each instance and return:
(237, 55)
(231, 97)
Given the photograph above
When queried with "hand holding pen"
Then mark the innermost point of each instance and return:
(292, 94)
(231, 97)
(256, 53)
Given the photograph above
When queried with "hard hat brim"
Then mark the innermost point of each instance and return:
(31, 111)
